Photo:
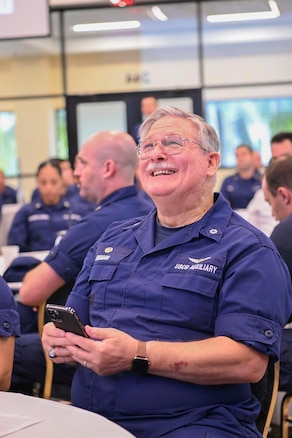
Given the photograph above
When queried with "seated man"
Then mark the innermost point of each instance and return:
(180, 305)
(277, 188)
(8, 195)
(147, 105)
(105, 170)
(259, 211)
(240, 188)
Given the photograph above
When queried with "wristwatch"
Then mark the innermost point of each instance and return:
(140, 363)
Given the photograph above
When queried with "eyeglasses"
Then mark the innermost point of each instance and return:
(171, 145)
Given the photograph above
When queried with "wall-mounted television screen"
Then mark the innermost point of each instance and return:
(24, 18)
(249, 121)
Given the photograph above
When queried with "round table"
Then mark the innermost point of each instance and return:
(56, 420)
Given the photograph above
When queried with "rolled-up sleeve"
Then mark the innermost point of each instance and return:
(255, 300)
(9, 323)
(9, 317)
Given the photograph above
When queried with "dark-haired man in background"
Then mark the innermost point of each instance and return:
(240, 188)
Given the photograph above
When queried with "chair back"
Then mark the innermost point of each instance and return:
(49, 364)
(266, 391)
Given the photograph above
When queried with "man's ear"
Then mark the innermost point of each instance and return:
(214, 161)
(285, 195)
(109, 168)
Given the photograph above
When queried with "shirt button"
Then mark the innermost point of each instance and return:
(213, 231)
(6, 325)
(268, 333)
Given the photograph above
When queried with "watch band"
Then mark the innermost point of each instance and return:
(140, 363)
(141, 350)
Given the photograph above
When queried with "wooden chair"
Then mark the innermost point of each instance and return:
(49, 364)
(285, 419)
(266, 391)
(53, 390)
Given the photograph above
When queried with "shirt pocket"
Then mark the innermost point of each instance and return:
(189, 298)
(105, 290)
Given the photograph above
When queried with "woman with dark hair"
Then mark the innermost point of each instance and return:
(37, 224)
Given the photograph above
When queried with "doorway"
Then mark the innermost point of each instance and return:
(87, 114)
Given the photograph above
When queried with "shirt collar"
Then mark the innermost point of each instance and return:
(117, 195)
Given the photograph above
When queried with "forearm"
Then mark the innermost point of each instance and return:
(213, 361)
(39, 284)
(209, 362)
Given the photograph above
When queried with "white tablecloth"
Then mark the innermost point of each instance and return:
(39, 418)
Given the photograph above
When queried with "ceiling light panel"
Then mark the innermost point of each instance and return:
(270, 11)
(106, 26)
(158, 14)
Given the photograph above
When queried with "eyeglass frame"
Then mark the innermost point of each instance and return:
(154, 142)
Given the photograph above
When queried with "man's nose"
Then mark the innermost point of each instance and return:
(159, 149)
(76, 172)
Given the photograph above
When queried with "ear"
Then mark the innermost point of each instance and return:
(109, 168)
(213, 163)
(285, 195)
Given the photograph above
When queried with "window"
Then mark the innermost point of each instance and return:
(8, 148)
(61, 133)
(250, 121)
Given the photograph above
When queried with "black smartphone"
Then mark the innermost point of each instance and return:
(66, 319)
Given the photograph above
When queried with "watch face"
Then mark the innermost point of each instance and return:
(140, 365)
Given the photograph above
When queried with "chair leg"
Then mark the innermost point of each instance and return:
(48, 379)
(49, 364)
(285, 415)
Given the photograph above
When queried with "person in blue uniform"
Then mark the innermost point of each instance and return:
(180, 306)
(8, 195)
(36, 225)
(9, 329)
(277, 188)
(71, 190)
(147, 105)
(105, 169)
(240, 188)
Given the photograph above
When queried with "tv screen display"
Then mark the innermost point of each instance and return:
(249, 121)
(24, 18)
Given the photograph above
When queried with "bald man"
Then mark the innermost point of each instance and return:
(105, 169)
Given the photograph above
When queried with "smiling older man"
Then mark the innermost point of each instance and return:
(180, 306)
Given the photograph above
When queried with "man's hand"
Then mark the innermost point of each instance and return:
(55, 344)
(108, 351)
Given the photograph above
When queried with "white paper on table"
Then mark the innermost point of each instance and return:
(10, 423)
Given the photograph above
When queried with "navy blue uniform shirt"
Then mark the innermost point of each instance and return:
(238, 191)
(82, 206)
(219, 276)
(9, 318)
(67, 257)
(35, 226)
(282, 238)
(9, 196)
